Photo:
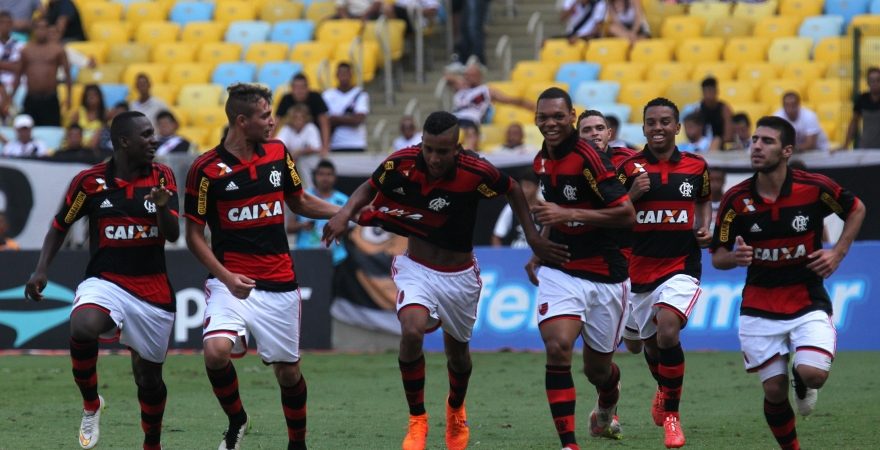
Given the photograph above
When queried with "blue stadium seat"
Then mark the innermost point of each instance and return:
(632, 133)
(51, 136)
(234, 72)
(574, 73)
(274, 74)
(846, 8)
(126, 3)
(8, 133)
(246, 32)
(619, 110)
(818, 27)
(292, 32)
(875, 7)
(185, 12)
(113, 93)
(596, 92)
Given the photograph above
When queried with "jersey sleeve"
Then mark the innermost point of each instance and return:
(725, 225)
(167, 180)
(195, 202)
(74, 206)
(600, 175)
(292, 181)
(705, 185)
(835, 199)
(391, 163)
(495, 182)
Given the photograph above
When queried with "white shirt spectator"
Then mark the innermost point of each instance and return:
(10, 51)
(356, 8)
(150, 108)
(295, 141)
(32, 149)
(402, 142)
(518, 149)
(472, 103)
(806, 125)
(356, 101)
(701, 146)
(586, 18)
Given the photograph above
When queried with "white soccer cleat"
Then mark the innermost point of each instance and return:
(604, 423)
(233, 436)
(804, 397)
(90, 427)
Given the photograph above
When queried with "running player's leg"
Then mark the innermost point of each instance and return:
(87, 323)
(814, 340)
(414, 320)
(459, 367)
(671, 373)
(605, 375)
(777, 408)
(294, 394)
(151, 394)
(559, 335)
(606, 308)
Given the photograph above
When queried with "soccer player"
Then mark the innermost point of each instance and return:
(587, 294)
(670, 192)
(430, 194)
(772, 224)
(131, 203)
(593, 127)
(238, 189)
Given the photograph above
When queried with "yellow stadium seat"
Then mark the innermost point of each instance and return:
(263, 52)
(804, 70)
(94, 12)
(868, 23)
(338, 30)
(746, 49)
(636, 94)
(841, 69)
(509, 88)
(755, 110)
(830, 129)
(396, 31)
(869, 52)
(194, 96)
(507, 114)
(195, 135)
(76, 92)
(166, 92)
(214, 53)
(754, 11)
(656, 12)
(729, 27)
(623, 72)
(109, 32)
(698, 50)
(682, 27)
(652, 50)
(710, 10)
(103, 73)
(364, 55)
(833, 49)
(839, 112)
(771, 92)
(318, 11)
(312, 52)
(491, 136)
(828, 90)
(528, 72)
(800, 8)
(188, 73)
(735, 92)
(278, 10)
(721, 71)
(142, 11)
(791, 49)
(174, 52)
(561, 51)
(202, 32)
(96, 50)
(233, 11)
(534, 90)
(208, 117)
(669, 71)
(606, 50)
(777, 27)
(128, 53)
(757, 72)
(157, 32)
(156, 73)
(684, 92)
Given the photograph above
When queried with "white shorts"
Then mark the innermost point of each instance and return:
(450, 297)
(273, 318)
(141, 326)
(630, 326)
(601, 307)
(678, 294)
(812, 337)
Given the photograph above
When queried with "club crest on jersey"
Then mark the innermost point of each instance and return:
(800, 223)
(543, 308)
(780, 254)
(662, 216)
(130, 232)
(150, 207)
(254, 212)
(438, 203)
(569, 192)
(275, 177)
(224, 169)
(686, 189)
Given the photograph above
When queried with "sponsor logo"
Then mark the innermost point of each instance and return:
(800, 223)
(254, 212)
(102, 185)
(130, 232)
(755, 228)
(663, 216)
(294, 176)
(224, 169)
(749, 204)
(591, 180)
(389, 165)
(438, 203)
(106, 203)
(781, 253)
(724, 234)
(382, 178)
(486, 191)
(686, 189)
(231, 186)
(202, 208)
(400, 213)
(75, 207)
(150, 206)
(831, 202)
(569, 192)
(29, 323)
(638, 168)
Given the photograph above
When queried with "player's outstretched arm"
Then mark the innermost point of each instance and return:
(239, 285)
(740, 256)
(618, 216)
(338, 224)
(310, 206)
(169, 226)
(825, 261)
(37, 282)
(544, 249)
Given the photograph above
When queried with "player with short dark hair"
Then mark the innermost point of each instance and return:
(131, 203)
(430, 193)
(772, 224)
(670, 191)
(239, 189)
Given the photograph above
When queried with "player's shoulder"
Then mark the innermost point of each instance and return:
(743, 189)
(475, 162)
(93, 179)
(813, 178)
(274, 148)
(637, 157)
(205, 160)
(411, 152)
(622, 152)
(693, 158)
(163, 172)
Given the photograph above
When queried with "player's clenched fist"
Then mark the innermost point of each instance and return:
(743, 253)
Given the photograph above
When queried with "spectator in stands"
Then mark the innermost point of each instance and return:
(146, 104)
(168, 139)
(399, 9)
(348, 107)
(74, 150)
(694, 130)
(64, 15)
(303, 141)
(308, 230)
(508, 232)
(90, 115)
(742, 132)
(10, 51)
(514, 140)
(867, 110)
(6, 243)
(300, 94)
(472, 37)
(472, 98)
(40, 61)
(614, 126)
(470, 137)
(627, 20)
(24, 145)
(105, 145)
(583, 18)
(21, 12)
(717, 115)
(409, 134)
(358, 9)
(809, 134)
(717, 178)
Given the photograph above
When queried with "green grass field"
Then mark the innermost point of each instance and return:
(357, 402)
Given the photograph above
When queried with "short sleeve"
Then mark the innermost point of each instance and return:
(362, 103)
(495, 182)
(389, 165)
(318, 106)
(167, 180)
(292, 182)
(705, 185)
(195, 201)
(834, 198)
(601, 178)
(725, 225)
(74, 206)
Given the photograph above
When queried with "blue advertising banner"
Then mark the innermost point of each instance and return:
(507, 320)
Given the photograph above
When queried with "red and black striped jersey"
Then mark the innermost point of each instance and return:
(783, 234)
(442, 212)
(242, 202)
(583, 178)
(125, 244)
(664, 243)
(623, 235)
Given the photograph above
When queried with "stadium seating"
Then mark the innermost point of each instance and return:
(509, 88)
(145, 11)
(128, 53)
(868, 23)
(669, 72)
(193, 96)
(156, 72)
(722, 71)
(201, 32)
(229, 11)
(113, 93)
(684, 92)
(755, 11)
(214, 53)
(233, 72)
(619, 110)
(505, 115)
(318, 11)
(827, 90)
(207, 117)
(263, 52)
(292, 32)
(636, 94)
(173, 52)
(800, 8)
(623, 72)
(183, 13)
(577, 72)
(395, 29)
(632, 133)
(807, 70)
(246, 33)
(185, 73)
(274, 74)
(561, 51)
(771, 92)
(846, 8)
(533, 91)
(652, 50)
(755, 110)
(791, 49)
(277, 10)
(729, 27)
(596, 92)
(776, 27)
(156, 32)
(51, 136)
(526, 72)
(699, 50)
(606, 50)
(312, 52)
(745, 49)
(109, 32)
(735, 92)
(338, 30)
(833, 49)
(819, 27)
(710, 10)
(103, 73)
(757, 72)
(96, 50)
(874, 8)
(682, 27)
(93, 12)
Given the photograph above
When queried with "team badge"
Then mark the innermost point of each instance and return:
(543, 308)
(400, 298)
(686, 189)
(569, 192)
(275, 178)
(799, 223)
(438, 203)
(150, 207)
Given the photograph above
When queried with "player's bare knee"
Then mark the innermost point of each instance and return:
(633, 346)
(287, 374)
(597, 374)
(776, 388)
(217, 355)
(814, 378)
(558, 351)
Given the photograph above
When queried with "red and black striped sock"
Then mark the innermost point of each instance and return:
(225, 384)
(652, 365)
(781, 419)
(152, 409)
(458, 384)
(671, 373)
(293, 401)
(561, 396)
(84, 357)
(609, 392)
(413, 375)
